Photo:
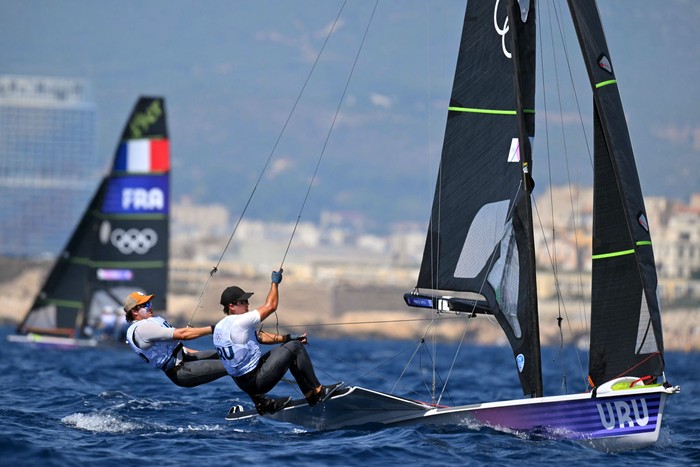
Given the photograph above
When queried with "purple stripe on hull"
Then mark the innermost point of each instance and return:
(582, 418)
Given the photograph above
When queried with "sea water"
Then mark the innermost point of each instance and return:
(106, 407)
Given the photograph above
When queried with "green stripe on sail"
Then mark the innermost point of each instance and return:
(145, 137)
(64, 303)
(118, 264)
(620, 253)
(488, 111)
(605, 83)
(141, 217)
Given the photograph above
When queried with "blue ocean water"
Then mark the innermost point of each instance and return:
(106, 407)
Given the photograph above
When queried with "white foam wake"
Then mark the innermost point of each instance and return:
(100, 423)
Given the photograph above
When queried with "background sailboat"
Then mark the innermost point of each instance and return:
(119, 245)
(479, 251)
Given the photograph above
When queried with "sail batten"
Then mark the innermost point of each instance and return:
(487, 111)
(606, 83)
(63, 303)
(630, 251)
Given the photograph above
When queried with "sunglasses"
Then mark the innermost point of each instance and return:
(146, 305)
(241, 302)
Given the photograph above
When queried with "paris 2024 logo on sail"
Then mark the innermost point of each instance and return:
(501, 25)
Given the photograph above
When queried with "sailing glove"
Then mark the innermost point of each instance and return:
(293, 337)
(277, 276)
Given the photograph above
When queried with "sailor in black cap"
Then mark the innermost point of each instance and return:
(237, 341)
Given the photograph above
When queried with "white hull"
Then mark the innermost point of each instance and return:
(614, 421)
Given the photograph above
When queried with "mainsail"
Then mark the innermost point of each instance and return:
(480, 235)
(625, 312)
(121, 242)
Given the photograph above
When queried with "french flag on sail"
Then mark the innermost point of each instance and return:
(143, 155)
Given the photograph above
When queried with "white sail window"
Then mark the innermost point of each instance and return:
(484, 234)
(646, 340)
(504, 279)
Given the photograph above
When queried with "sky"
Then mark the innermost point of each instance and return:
(231, 72)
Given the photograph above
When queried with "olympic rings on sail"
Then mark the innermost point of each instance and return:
(134, 240)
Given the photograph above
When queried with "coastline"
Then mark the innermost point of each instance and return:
(331, 311)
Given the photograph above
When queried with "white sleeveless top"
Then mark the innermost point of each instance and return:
(236, 342)
(158, 355)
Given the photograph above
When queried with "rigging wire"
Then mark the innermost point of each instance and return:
(554, 259)
(330, 131)
(383, 321)
(374, 370)
(432, 324)
(267, 163)
(557, 286)
(325, 143)
(434, 244)
(552, 253)
(433, 363)
(481, 288)
(408, 363)
(582, 310)
(421, 345)
(572, 202)
(454, 359)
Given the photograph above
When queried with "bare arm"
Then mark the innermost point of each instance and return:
(146, 334)
(267, 338)
(186, 334)
(271, 302)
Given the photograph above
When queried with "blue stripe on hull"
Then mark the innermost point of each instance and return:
(582, 418)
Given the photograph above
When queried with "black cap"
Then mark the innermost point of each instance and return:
(233, 294)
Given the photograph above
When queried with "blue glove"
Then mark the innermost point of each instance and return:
(277, 276)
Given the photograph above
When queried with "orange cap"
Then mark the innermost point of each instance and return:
(135, 298)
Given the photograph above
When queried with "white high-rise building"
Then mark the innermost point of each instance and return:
(48, 164)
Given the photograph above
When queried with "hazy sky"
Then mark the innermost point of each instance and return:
(232, 70)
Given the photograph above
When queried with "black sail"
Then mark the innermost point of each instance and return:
(121, 242)
(626, 336)
(479, 237)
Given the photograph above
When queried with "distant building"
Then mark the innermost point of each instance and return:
(678, 251)
(48, 168)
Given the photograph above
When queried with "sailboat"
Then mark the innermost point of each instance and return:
(479, 252)
(119, 245)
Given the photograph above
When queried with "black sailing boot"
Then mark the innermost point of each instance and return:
(266, 405)
(323, 394)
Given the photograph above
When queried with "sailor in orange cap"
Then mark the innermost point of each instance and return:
(159, 344)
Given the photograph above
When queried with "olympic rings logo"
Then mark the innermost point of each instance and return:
(134, 240)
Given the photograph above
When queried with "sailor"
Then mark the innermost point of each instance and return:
(237, 341)
(159, 344)
(108, 321)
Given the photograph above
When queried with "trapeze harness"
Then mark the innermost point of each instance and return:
(163, 355)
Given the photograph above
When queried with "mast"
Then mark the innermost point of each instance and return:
(519, 13)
